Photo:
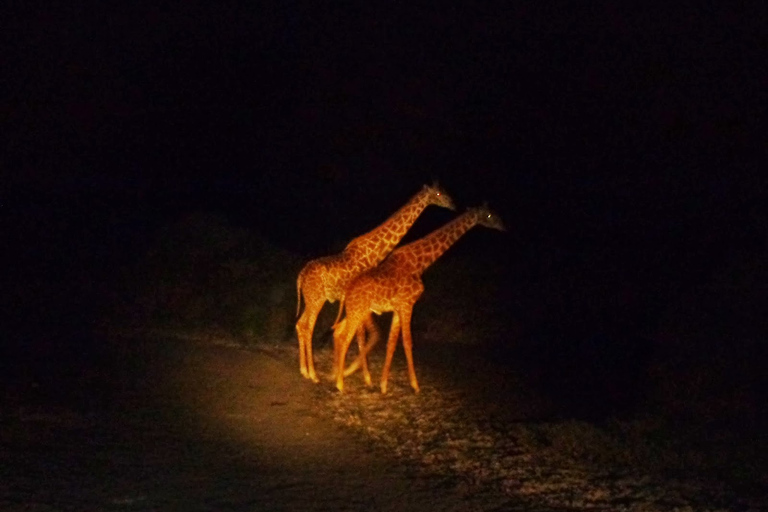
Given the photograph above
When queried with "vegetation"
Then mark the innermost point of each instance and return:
(201, 275)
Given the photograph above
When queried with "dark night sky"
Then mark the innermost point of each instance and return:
(629, 136)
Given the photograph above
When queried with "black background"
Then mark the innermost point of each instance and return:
(620, 146)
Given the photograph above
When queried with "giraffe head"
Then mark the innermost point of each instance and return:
(437, 196)
(485, 217)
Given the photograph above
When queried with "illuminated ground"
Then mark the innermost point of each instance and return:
(203, 424)
(200, 427)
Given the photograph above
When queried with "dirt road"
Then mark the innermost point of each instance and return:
(168, 425)
(148, 423)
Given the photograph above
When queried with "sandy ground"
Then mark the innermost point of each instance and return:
(157, 423)
(171, 425)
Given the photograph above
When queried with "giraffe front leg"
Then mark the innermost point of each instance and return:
(394, 332)
(407, 346)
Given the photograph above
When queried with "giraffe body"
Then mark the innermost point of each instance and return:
(326, 278)
(395, 285)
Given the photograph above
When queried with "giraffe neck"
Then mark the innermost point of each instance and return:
(375, 245)
(418, 256)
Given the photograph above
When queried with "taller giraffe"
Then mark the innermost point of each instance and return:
(325, 279)
(395, 286)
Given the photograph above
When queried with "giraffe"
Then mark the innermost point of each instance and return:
(325, 279)
(395, 285)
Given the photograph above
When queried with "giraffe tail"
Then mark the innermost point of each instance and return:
(298, 293)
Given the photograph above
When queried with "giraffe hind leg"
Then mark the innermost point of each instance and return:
(394, 332)
(304, 330)
(408, 346)
(342, 340)
(373, 338)
(362, 357)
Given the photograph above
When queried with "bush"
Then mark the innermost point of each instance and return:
(201, 274)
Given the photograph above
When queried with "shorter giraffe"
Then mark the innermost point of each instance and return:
(395, 285)
(325, 279)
